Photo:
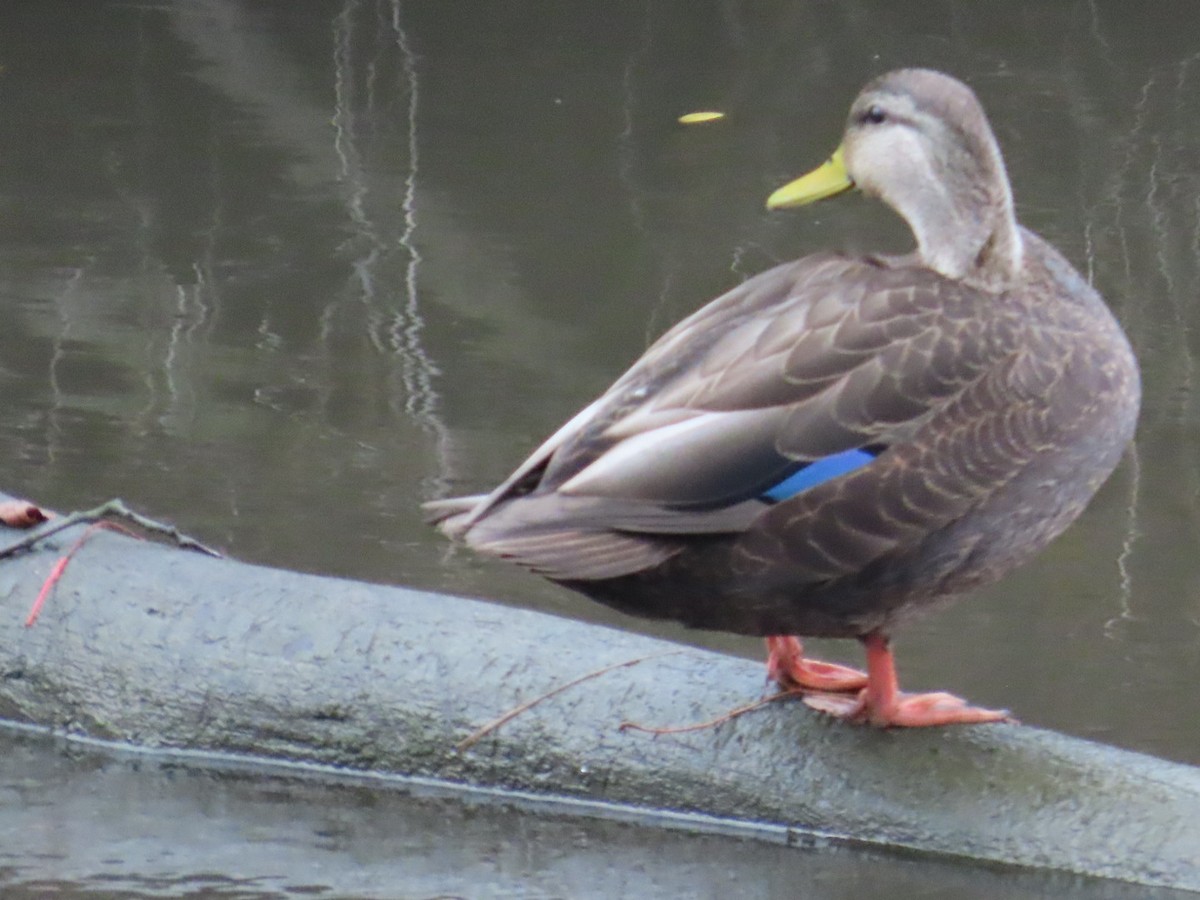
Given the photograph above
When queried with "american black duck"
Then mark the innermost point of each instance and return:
(841, 443)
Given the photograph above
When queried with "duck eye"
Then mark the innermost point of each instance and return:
(874, 115)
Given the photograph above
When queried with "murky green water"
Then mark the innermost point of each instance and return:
(78, 823)
(280, 271)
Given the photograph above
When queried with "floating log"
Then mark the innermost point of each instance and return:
(160, 647)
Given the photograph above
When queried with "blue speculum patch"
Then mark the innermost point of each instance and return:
(817, 472)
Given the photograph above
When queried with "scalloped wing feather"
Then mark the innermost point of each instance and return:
(748, 391)
(812, 358)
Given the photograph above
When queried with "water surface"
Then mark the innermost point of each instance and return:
(77, 822)
(278, 272)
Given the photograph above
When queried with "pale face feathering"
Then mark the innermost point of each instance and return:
(930, 155)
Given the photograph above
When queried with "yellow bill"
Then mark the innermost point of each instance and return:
(827, 180)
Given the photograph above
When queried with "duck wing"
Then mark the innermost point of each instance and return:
(805, 362)
(813, 361)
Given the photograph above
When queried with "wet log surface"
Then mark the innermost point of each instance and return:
(159, 647)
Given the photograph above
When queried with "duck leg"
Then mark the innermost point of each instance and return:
(882, 704)
(787, 667)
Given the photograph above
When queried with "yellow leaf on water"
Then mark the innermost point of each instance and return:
(696, 118)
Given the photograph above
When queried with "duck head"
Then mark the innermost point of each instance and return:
(919, 141)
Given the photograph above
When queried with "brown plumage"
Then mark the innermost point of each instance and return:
(979, 389)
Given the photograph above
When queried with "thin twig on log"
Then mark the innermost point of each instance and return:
(529, 704)
(711, 723)
(113, 509)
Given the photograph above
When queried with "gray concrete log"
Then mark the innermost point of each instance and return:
(159, 647)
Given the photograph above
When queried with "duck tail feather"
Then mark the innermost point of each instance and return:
(452, 515)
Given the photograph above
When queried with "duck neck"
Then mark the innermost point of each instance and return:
(969, 233)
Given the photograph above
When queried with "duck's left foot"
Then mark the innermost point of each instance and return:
(789, 668)
(905, 710)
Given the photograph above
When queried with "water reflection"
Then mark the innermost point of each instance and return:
(282, 271)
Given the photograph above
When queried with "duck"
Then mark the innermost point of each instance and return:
(842, 443)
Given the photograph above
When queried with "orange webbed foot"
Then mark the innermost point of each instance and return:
(906, 710)
(883, 705)
(788, 667)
